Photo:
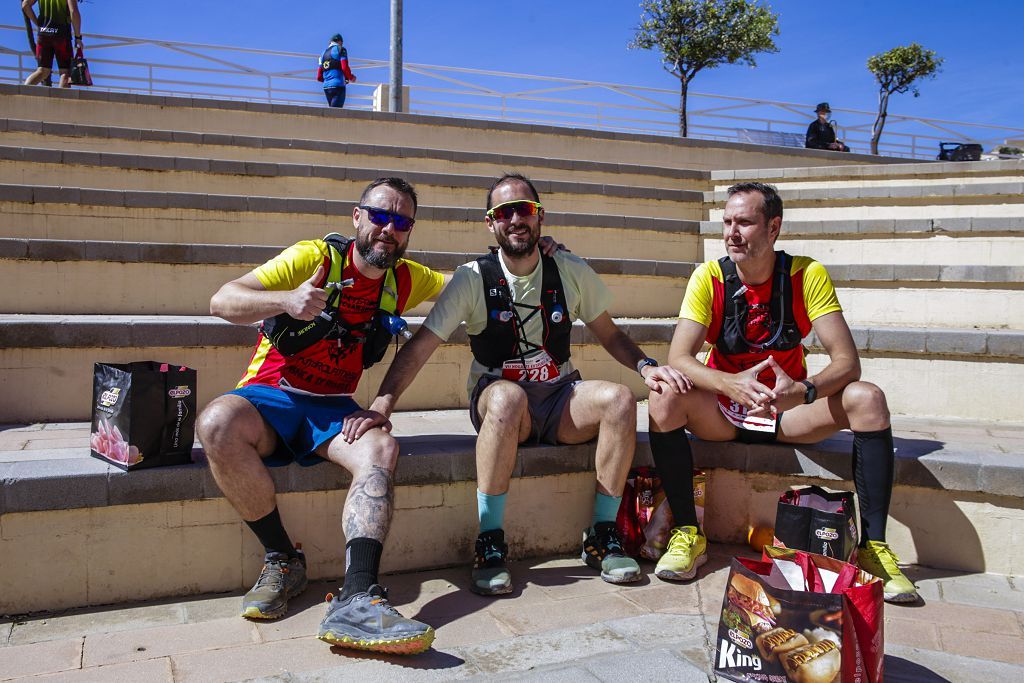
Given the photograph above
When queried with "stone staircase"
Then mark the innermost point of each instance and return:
(120, 215)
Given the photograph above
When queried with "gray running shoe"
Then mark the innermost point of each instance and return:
(282, 578)
(602, 550)
(366, 621)
(490, 571)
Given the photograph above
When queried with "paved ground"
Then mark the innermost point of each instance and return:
(561, 623)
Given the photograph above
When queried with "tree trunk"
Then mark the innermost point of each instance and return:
(682, 107)
(876, 129)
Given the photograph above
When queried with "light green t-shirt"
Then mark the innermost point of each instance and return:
(462, 301)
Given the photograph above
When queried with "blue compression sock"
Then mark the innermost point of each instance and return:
(491, 510)
(606, 508)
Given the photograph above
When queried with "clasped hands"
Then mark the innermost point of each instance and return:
(745, 389)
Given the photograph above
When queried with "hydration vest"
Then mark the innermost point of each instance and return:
(327, 62)
(291, 336)
(503, 338)
(732, 339)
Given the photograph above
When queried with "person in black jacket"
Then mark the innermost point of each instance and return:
(820, 134)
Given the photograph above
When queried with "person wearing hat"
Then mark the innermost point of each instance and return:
(820, 134)
(334, 71)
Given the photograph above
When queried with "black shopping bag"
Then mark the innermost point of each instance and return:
(80, 70)
(816, 520)
(800, 617)
(143, 414)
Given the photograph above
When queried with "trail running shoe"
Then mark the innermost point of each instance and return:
(281, 578)
(367, 621)
(878, 558)
(490, 570)
(687, 549)
(602, 550)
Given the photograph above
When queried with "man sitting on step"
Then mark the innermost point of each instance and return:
(291, 401)
(518, 306)
(754, 306)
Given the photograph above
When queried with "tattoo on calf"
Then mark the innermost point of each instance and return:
(369, 505)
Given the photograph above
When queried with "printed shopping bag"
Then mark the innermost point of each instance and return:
(817, 520)
(800, 617)
(644, 519)
(143, 414)
(80, 70)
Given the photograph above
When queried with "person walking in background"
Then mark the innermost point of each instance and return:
(334, 71)
(820, 134)
(55, 21)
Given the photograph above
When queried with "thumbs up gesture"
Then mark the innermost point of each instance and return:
(307, 300)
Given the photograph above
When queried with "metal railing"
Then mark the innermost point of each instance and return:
(160, 67)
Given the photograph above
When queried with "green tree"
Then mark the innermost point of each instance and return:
(693, 35)
(897, 71)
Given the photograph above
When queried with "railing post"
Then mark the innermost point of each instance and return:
(270, 89)
(150, 69)
(913, 146)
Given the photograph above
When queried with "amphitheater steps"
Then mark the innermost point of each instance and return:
(178, 279)
(112, 140)
(47, 361)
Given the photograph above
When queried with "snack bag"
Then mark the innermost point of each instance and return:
(644, 519)
(799, 617)
(143, 414)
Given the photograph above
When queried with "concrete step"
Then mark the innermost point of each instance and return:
(60, 277)
(203, 115)
(75, 137)
(916, 171)
(77, 213)
(48, 360)
(125, 531)
(102, 170)
(896, 193)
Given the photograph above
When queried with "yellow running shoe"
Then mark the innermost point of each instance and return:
(687, 549)
(878, 558)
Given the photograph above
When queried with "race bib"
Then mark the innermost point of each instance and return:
(540, 367)
(737, 415)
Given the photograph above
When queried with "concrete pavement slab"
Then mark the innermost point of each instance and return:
(983, 590)
(645, 665)
(87, 622)
(555, 647)
(915, 665)
(41, 658)
(150, 671)
(154, 643)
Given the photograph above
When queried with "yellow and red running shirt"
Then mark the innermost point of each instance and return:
(325, 367)
(813, 297)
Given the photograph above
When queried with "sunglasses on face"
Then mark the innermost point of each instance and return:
(381, 218)
(506, 210)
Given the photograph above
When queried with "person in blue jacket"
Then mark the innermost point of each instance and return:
(335, 71)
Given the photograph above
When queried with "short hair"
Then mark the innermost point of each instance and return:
(771, 204)
(505, 178)
(394, 183)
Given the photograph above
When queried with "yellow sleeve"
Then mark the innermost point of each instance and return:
(700, 294)
(293, 266)
(426, 284)
(819, 293)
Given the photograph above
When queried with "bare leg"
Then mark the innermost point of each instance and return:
(236, 438)
(369, 505)
(505, 423)
(65, 78)
(608, 411)
(37, 76)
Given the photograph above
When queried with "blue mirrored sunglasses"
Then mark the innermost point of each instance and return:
(381, 217)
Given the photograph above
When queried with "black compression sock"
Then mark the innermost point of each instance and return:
(873, 466)
(674, 462)
(270, 532)
(362, 562)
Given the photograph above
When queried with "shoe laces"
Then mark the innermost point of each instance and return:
(380, 599)
(608, 538)
(681, 540)
(273, 574)
(887, 558)
(489, 550)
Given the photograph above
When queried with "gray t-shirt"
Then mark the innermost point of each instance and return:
(462, 301)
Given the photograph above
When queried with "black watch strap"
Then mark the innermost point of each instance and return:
(812, 391)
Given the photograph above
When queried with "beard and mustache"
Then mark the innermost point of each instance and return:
(366, 245)
(520, 248)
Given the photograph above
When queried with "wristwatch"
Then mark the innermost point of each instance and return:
(644, 362)
(812, 391)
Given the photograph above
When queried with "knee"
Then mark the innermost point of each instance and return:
(218, 428)
(619, 403)
(667, 409)
(865, 403)
(505, 402)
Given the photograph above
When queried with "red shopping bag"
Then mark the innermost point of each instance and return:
(796, 615)
(644, 519)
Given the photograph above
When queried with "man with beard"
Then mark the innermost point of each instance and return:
(291, 407)
(518, 306)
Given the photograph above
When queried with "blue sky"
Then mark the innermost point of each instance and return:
(823, 45)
